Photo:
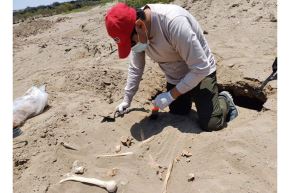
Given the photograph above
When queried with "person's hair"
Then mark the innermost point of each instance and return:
(140, 14)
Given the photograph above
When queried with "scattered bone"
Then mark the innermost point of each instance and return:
(68, 146)
(177, 159)
(167, 177)
(77, 168)
(112, 172)
(186, 153)
(147, 140)
(117, 148)
(190, 177)
(126, 141)
(110, 186)
(115, 155)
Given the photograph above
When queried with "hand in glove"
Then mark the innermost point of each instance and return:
(122, 108)
(163, 100)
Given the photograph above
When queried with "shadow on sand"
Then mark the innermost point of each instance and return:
(150, 127)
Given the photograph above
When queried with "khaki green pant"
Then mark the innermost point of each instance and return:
(211, 109)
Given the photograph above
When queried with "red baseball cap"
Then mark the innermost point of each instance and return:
(120, 22)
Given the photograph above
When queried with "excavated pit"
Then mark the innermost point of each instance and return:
(245, 95)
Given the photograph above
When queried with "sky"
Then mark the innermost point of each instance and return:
(22, 4)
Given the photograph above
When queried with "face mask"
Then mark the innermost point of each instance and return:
(140, 47)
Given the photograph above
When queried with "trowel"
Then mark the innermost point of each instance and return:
(273, 75)
(109, 118)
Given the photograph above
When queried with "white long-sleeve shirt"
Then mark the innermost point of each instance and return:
(177, 45)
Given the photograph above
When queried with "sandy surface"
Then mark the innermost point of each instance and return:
(73, 55)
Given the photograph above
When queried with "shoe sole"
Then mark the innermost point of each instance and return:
(232, 106)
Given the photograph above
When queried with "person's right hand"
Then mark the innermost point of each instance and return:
(122, 108)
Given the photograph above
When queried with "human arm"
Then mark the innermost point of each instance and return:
(185, 36)
(135, 72)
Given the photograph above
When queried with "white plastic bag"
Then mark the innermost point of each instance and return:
(32, 103)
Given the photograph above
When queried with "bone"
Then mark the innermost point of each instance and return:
(144, 141)
(68, 146)
(77, 168)
(115, 155)
(177, 159)
(147, 140)
(110, 186)
(167, 176)
(117, 148)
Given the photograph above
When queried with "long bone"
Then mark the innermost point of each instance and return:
(110, 186)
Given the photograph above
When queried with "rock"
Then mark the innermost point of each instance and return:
(77, 168)
(258, 18)
(107, 81)
(205, 32)
(43, 45)
(20, 162)
(273, 18)
(43, 135)
(190, 177)
(186, 153)
(126, 141)
(235, 5)
(54, 160)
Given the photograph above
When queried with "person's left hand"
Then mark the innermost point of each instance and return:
(163, 100)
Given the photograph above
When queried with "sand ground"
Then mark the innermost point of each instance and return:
(74, 57)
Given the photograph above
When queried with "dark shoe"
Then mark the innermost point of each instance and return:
(233, 111)
(16, 132)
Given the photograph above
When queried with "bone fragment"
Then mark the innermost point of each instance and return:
(68, 146)
(117, 148)
(167, 176)
(110, 186)
(115, 155)
(177, 159)
(143, 137)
